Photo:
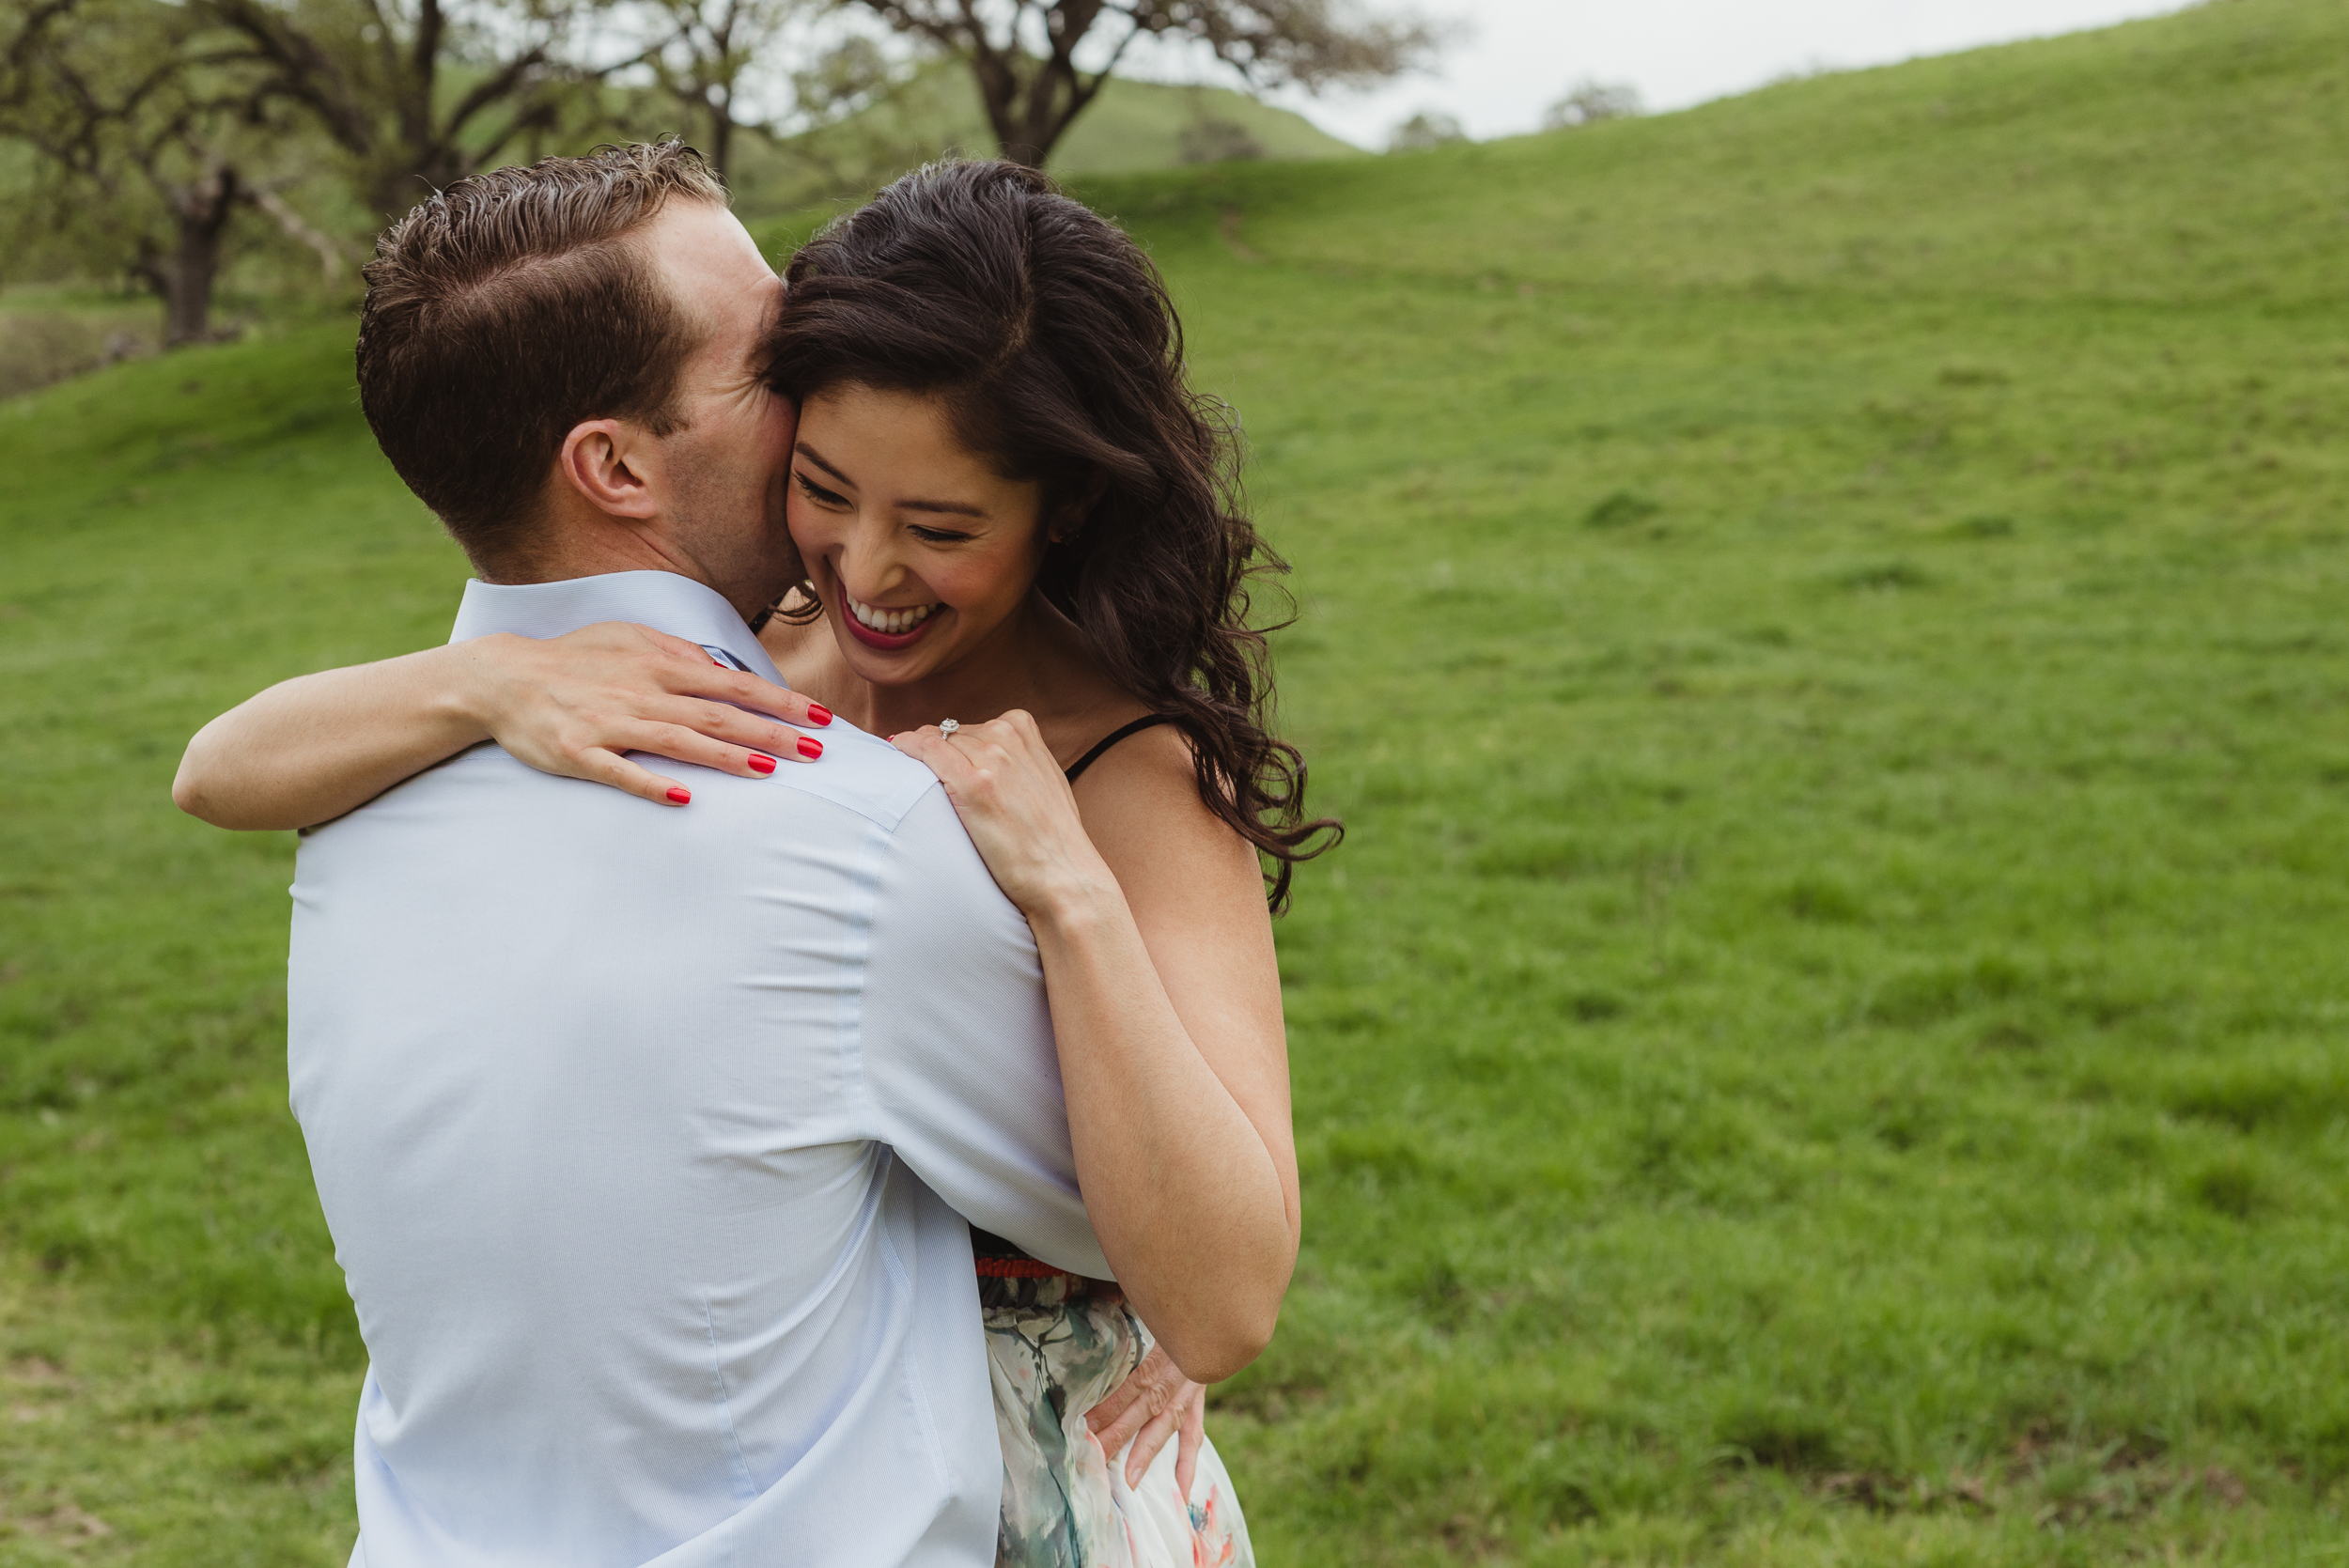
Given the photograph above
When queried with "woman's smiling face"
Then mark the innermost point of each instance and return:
(917, 547)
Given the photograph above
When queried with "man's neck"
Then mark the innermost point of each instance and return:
(568, 554)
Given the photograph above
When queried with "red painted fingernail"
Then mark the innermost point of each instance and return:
(810, 747)
(819, 714)
(762, 764)
(681, 795)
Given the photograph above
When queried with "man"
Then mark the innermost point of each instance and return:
(641, 1132)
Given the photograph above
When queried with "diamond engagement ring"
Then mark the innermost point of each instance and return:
(947, 727)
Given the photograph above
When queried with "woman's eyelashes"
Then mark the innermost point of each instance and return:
(823, 497)
(816, 493)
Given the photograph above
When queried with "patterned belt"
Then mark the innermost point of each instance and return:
(1021, 1268)
(997, 1259)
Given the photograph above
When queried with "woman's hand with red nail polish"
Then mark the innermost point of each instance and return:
(578, 705)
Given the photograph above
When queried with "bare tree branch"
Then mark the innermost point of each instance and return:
(1032, 99)
(330, 253)
(707, 57)
(375, 73)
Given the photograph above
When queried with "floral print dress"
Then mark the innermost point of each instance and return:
(1056, 1346)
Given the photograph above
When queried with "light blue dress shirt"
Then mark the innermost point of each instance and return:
(642, 1132)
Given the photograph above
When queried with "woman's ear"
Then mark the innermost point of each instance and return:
(1070, 516)
(604, 460)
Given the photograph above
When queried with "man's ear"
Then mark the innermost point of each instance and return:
(610, 463)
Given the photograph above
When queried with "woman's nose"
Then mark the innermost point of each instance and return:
(868, 567)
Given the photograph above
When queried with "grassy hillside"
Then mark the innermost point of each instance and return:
(49, 332)
(1826, 1041)
(1132, 126)
(1142, 125)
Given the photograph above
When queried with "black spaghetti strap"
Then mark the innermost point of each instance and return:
(1148, 721)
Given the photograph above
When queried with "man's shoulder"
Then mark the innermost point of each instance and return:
(863, 773)
(858, 832)
(860, 773)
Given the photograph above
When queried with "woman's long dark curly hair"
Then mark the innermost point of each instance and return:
(1049, 338)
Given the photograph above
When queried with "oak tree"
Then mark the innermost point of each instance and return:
(149, 141)
(707, 57)
(1025, 54)
(417, 94)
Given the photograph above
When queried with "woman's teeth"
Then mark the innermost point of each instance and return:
(888, 623)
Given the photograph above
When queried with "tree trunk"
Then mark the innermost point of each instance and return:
(1022, 113)
(1052, 103)
(184, 278)
(188, 290)
(998, 81)
(722, 136)
(1032, 103)
(718, 94)
(408, 168)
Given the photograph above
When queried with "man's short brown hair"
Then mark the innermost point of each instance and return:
(507, 309)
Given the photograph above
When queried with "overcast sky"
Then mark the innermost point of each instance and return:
(1520, 55)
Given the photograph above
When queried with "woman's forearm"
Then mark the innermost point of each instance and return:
(1185, 1194)
(575, 706)
(1165, 1002)
(310, 748)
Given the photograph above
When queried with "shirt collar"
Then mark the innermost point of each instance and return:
(663, 600)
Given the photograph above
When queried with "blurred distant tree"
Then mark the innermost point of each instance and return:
(1429, 127)
(1211, 139)
(861, 117)
(851, 116)
(706, 56)
(149, 141)
(417, 94)
(1023, 53)
(1589, 102)
(843, 81)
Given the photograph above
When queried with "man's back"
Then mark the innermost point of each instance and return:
(631, 1126)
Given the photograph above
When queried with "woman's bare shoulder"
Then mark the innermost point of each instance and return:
(1148, 764)
(1141, 804)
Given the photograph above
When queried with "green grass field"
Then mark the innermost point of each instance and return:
(1827, 1042)
(48, 333)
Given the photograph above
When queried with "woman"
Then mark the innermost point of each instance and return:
(1014, 514)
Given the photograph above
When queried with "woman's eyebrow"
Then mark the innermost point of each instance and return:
(805, 450)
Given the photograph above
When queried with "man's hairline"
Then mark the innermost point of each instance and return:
(636, 238)
(632, 245)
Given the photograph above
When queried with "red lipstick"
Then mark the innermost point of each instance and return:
(883, 640)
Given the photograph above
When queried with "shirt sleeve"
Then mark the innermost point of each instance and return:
(956, 1044)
